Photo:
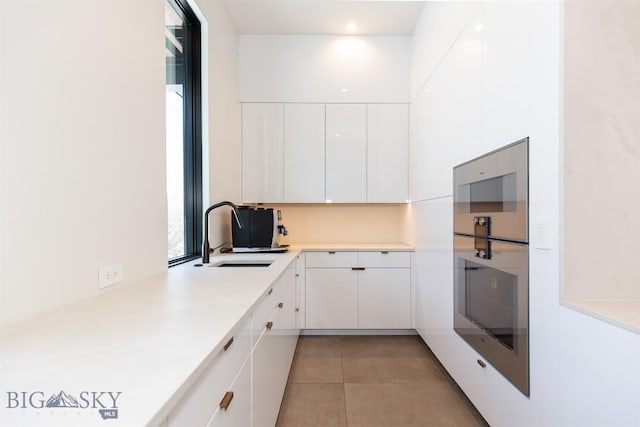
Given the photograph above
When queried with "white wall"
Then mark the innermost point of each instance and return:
(82, 144)
(602, 149)
(584, 372)
(83, 150)
(221, 116)
(311, 68)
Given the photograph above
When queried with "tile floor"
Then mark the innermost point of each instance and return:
(367, 381)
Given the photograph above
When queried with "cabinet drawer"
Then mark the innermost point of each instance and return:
(384, 259)
(238, 411)
(201, 401)
(263, 313)
(331, 259)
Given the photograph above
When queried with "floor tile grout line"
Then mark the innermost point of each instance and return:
(344, 388)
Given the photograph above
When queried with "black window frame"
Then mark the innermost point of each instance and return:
(192, 155)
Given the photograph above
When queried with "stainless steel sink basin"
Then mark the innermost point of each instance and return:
(243, 263)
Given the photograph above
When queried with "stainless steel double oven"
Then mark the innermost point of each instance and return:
(491, 253)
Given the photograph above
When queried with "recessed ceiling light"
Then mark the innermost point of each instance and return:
(351, 26)
(344, 90)
(479, 27)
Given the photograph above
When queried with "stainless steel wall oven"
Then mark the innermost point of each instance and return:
(491, 257)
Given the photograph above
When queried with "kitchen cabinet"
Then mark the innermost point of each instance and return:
(202, 400)
(273, 352)
(262, 152)
(384, 298)
(310, 153)
(304, 153)
(332, 298)
(346, 153)
(358, 290)
(238, 411)
(300, 278)
(387, 153)
(254, 365)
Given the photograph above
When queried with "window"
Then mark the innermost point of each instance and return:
(184, 132)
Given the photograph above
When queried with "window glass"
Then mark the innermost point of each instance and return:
(183, 131)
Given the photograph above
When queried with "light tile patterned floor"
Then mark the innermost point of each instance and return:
(369, 381)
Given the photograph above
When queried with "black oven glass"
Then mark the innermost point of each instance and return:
(490, 195)
(490, 300)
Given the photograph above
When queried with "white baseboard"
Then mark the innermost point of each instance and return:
(358, 332)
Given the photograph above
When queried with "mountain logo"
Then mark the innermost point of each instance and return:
(62, 400)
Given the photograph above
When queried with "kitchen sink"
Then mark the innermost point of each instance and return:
(243, 263)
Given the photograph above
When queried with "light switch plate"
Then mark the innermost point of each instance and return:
(542, 233)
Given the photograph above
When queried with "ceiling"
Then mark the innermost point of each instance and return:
(388, 17)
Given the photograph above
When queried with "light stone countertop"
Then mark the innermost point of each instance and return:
(148, 341)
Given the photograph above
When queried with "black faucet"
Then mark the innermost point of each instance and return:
(205, 219)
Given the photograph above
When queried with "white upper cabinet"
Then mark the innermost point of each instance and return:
(304, 153)
(312, 153)
(262, 152)
(346, 151)
(387, 153)
(446, 117)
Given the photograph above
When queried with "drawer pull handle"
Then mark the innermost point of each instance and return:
(481, 363)
(297, 309)
(228, 344)
(226, 400)
(270, 290)
(332, 252)
(384, 252)
(357, 268)
(280, 305)
(297, 275)
(269, 325)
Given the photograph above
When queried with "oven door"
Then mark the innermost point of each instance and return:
(493, 186)
(491, 304)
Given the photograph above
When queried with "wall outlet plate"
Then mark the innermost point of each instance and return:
(111, 275)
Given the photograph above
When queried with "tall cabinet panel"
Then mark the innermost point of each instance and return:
(346, 148)
(304, 153)
(387, 153)
(262, 152)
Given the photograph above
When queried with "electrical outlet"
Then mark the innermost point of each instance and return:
(109, 275)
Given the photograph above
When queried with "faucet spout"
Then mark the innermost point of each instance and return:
(205, 238)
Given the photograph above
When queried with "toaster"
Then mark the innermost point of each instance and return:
(261, 230)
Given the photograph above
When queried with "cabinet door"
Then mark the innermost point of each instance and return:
(332, 298)
(301, 304)
(304, 153)
(384, 298)
(238, 412)
(346, 166)
(387, 153)
(273, 352)
(200, 403)
(262, 152)
(266, 395)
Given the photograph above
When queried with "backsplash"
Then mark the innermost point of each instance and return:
(343, 223)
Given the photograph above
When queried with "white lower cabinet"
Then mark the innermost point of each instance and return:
(253, 365)
(236, 408)
(384, 298)
(301, 304)
(202, 400)
(358, 290)
(273, 353)
(332, 298)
